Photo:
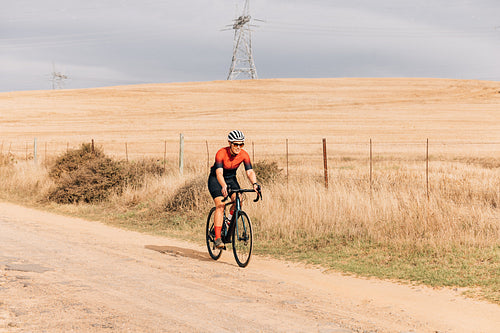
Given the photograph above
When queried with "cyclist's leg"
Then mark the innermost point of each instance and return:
(213, 250)
(219, 211)
(216, 193)
(218, 219)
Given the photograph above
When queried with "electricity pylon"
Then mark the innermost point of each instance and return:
(57, 78)
(242, 63)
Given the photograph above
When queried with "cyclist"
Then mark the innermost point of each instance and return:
(223, 174)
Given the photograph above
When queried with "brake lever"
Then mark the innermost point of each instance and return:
(259, 196)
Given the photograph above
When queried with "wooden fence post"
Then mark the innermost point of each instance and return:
(165, 157)
(126, 151)
(181, 154)
(427, 168)
(208, 155)
(253, 152)
(287, 162)
(35, 151)
(371, 167)
(325, 163)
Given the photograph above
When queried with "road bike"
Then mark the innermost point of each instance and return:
(237, 232)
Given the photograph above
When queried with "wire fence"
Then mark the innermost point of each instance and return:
(429, 166)
(323, 156)
(204, 151)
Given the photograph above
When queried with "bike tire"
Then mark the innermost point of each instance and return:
(242, 239)
(210, 236)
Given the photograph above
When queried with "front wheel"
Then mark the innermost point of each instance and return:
(210, 236)
(242, 239)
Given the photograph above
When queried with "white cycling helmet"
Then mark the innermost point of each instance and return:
(236, 136)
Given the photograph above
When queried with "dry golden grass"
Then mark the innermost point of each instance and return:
(268, 111)
(23, 181)
(460, 118)
(462, 208)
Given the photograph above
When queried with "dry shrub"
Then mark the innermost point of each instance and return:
(485, 162)
(137, 171)
(7, 159)
(193, 195)
(268, 172)
(74, 159)
(85, 175)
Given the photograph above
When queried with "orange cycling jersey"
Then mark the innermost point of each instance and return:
(230, 163)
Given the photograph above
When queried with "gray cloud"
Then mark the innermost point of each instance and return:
(99, 43)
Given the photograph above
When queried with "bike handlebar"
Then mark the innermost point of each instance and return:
(259, 193)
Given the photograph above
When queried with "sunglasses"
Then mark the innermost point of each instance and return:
(238, 144)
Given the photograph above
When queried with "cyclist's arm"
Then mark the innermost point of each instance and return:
(252, 177)
(219, 172)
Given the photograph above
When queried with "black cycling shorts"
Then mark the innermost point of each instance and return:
(215, 188)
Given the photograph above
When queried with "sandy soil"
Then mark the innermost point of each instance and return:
(60, 274)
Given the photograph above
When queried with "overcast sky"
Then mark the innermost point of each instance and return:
(117, 42)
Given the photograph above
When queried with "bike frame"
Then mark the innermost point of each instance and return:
(237, 209)
(242, 239)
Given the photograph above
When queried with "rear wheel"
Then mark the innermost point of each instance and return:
(242, 239)
(210, 235)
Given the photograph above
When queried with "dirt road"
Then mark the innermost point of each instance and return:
(60, 274)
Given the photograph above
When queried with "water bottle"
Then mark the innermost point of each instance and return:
(225, 226)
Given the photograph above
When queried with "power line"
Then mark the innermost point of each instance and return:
(79, 38)
(371, 31)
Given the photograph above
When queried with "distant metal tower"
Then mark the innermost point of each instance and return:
(57, 78)
(242, 63)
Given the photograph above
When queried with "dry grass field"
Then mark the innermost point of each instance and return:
(268, 111)
(391, 227)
